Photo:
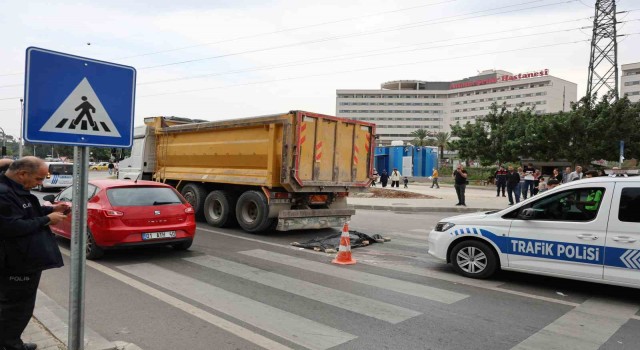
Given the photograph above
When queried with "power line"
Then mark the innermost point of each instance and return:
(273, 32)
(294, 63)
(364, 33)
(287, 29)
(366, 69)
(405, 26)
(355, 56)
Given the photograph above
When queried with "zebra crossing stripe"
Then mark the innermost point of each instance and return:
(232, 328)
(399, 286)
(355, 303)
(294, 328)
(589, 326)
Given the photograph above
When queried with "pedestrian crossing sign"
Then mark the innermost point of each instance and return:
(77, 101)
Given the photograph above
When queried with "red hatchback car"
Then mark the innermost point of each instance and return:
(123, 213)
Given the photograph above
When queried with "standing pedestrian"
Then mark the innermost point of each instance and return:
(521, 187)
(576, 174)
(110, 167)
(460, 184)
(565, 176)
(513, 185)
(384, 178)
(405, 181)
(395, 178)
(501, 180)
(27, 247)
(556, 175)
(434, 178)
(529, 178)
(374, 178)
(536, 182)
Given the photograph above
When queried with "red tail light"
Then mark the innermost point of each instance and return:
(281, 195)
(318, 198)
(189, 210)
(342, 194)
(112, 213)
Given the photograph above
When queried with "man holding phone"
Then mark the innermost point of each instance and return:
(460, 176)
(27, 247)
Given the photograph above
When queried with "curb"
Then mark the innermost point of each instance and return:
(54, 317)
(420, 209)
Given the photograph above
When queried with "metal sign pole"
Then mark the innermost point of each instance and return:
(78, 244)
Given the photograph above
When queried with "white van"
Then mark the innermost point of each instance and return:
(60, 176)
(140, 165)
(587, 230)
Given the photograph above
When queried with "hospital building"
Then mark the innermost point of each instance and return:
(403, 106)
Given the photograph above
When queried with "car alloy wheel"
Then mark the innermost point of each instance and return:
(473, 258)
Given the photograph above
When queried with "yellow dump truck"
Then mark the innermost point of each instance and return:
(285, 171)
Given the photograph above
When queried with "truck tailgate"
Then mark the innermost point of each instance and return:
(332, 151)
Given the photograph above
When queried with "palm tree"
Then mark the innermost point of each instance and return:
(419, 137)
(442, 141)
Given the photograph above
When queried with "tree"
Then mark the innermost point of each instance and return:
(442, 141)
(420, 136)
(591, 130)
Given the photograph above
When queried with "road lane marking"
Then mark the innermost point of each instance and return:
(297, 329)
(588, 326)
(406, 235)
(343, 300)
(435, 274)
(420, 230)
(219, 322)
(409, 288)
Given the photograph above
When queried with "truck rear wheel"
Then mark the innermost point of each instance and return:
(252, 212)
(195, 194)
(220, 209)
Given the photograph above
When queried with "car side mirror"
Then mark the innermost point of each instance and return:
(527, 214)
(49, 198)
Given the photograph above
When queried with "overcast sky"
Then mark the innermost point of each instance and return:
(256, 57)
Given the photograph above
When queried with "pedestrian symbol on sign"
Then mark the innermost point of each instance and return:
(81, 113)
(85, 107)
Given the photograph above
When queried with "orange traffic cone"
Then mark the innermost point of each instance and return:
(344, 252)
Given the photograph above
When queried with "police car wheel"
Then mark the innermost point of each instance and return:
(473, 259)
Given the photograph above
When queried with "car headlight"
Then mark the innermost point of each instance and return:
(443, 226)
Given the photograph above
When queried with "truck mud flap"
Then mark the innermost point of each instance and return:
(313, 219)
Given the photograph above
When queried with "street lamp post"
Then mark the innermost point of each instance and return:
(21, 120)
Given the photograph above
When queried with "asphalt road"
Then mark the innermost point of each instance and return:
(235, 290)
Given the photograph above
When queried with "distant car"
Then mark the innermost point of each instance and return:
(100, 166)
(60, 176)
(123, 213)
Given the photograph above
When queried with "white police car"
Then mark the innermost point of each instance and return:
(587, 229)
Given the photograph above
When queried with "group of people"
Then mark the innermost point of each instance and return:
(527, 181)
(384, 178)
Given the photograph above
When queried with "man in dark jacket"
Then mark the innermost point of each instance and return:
(513, 180)
(27, 246)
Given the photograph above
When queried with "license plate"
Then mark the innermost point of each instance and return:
(156, 235)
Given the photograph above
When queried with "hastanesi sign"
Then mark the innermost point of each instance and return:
(535, 74)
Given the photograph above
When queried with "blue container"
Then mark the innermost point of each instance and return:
(424, 159)
(381, 159)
